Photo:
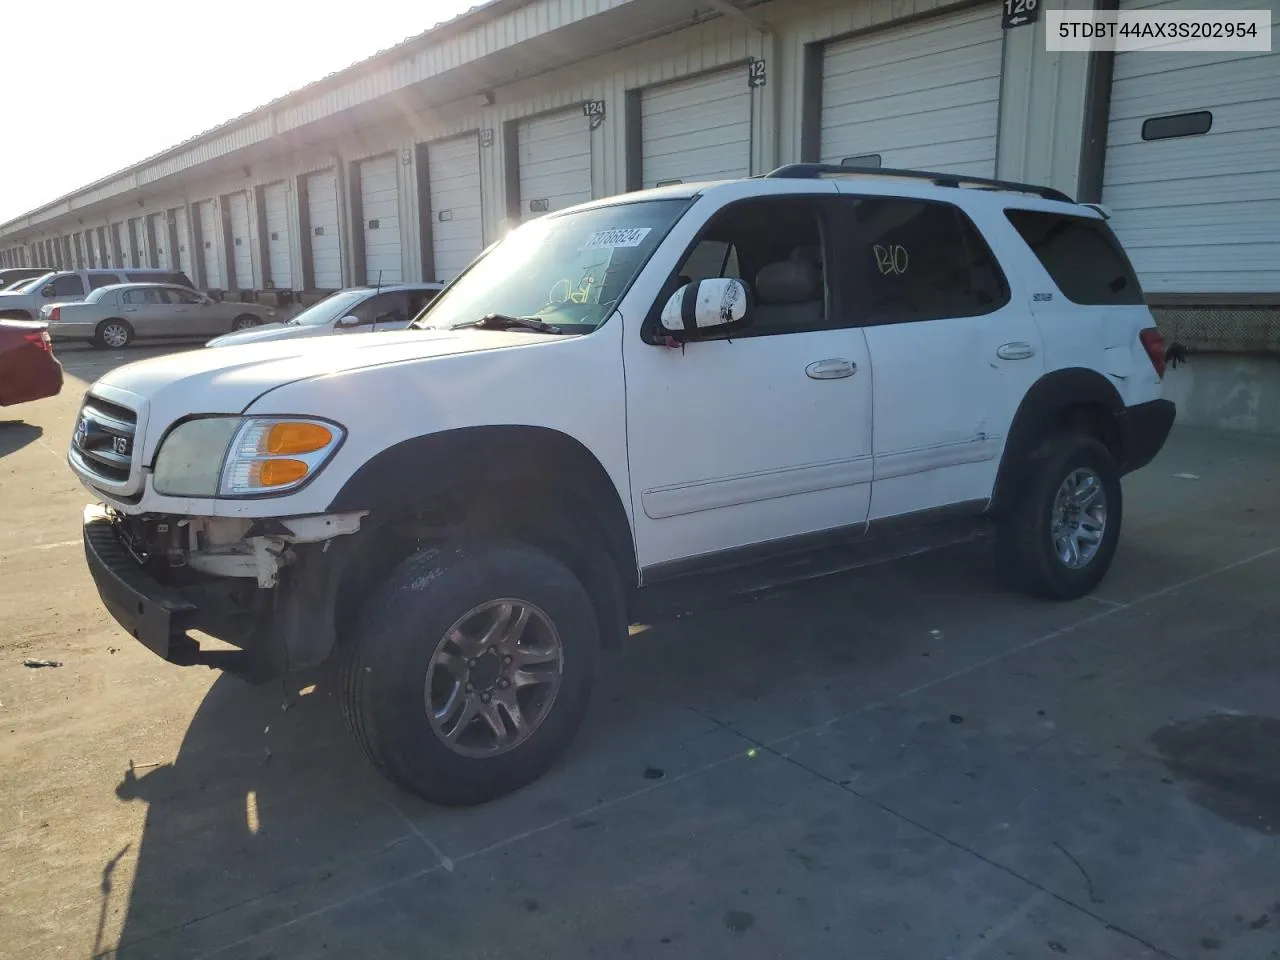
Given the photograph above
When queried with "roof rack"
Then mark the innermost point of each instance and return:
(807, 171)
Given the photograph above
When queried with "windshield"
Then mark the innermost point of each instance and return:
(331, 308)
(567, 270)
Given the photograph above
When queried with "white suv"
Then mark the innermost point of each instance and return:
(844, 365)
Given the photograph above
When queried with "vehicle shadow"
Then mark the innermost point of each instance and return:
(16, 434)
(269, 812)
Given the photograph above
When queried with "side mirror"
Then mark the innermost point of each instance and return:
(719, 304)
(347, 322)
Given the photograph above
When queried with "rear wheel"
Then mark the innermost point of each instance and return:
(113, 334)
(471, 669)
(244, 321)
(1060, 534)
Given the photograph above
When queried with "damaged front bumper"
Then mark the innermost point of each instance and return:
(267, 596)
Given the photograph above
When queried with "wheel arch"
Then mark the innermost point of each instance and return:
(535, 483)
(1072, 398)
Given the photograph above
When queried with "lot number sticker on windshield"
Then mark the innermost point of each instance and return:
(621, 237)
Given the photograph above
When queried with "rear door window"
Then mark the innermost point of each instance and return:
(97, 280)
(918, 260)
(420, 299)
(1081, 255)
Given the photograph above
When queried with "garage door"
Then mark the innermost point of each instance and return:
(160, 232)
(924, 96)
(183, 229)
(457, 217)
(137, 250)
(380, 201)
(326, 250)
(207, 215)
(275, 198)
(1192, 172)
(697, 129)
(120, 255)
(555, 162)
(241, 251)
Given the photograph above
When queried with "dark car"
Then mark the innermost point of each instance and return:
(28, 368)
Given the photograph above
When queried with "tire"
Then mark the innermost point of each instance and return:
(1027, 550)
(385, 667)
(244, 322)
(113, 334)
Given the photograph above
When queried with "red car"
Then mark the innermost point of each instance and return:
(28, 369)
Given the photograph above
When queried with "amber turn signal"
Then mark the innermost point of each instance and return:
(291, 438)
(276, 473)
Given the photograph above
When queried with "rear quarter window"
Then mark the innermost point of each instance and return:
(1081, 255)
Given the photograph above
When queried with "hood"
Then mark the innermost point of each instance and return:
(228, 379)
(266, 332)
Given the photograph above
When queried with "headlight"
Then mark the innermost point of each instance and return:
(189, 463)
(239, 457)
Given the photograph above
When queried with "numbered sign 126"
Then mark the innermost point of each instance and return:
(1019, 13)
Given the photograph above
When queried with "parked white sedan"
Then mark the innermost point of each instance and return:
(115, 316)
(353, 310)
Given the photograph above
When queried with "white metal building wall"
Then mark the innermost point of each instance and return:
(457, 217)
(555, 162)
(326, 244)
(241, 251)
(1199, 213)
(924, 96)
(184, 241)
(697, 129)
(207, 213)
(275, 199)
(380, 203)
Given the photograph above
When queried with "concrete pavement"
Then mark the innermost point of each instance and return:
(907, 762)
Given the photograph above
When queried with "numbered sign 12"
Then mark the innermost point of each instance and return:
(1019, 13)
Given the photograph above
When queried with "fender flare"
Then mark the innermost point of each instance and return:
(532, 481)
(1047, 406)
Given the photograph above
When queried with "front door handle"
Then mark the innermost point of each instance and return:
(1018, 350)
(834, 369)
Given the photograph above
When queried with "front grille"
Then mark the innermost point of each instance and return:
(103, 442)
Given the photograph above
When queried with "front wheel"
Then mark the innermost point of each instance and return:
(243, 322)
(471, 669)
(1059, 536)
(113, 334)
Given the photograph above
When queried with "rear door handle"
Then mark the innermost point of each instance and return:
(1016, 351)
(834, 369)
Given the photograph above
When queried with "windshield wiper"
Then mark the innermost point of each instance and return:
(501, 321)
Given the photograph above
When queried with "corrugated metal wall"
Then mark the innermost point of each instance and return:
(777, 112)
